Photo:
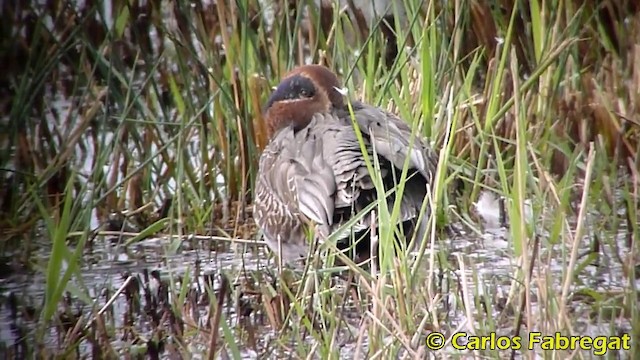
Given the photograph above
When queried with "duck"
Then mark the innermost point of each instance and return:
(312, 175)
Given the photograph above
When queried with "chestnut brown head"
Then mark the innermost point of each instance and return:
(303, 92)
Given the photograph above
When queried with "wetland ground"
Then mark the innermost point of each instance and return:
(130, 133)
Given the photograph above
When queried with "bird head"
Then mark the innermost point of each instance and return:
(303, 92)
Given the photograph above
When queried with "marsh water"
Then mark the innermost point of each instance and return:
(200, 263)
(108, 263)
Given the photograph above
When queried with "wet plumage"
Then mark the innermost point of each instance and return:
(312, 172)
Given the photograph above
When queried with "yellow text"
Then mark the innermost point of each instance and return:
(598, 344)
